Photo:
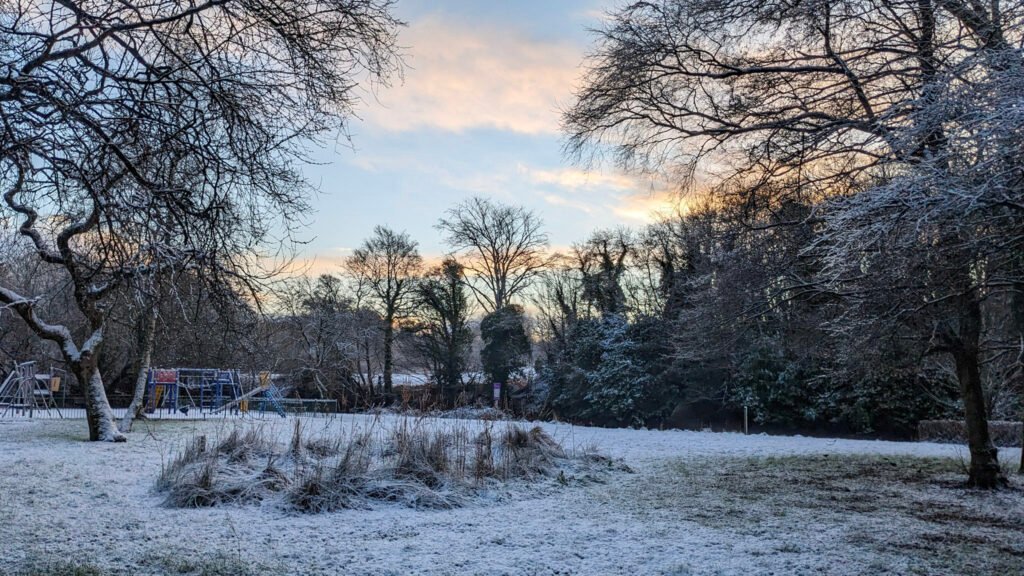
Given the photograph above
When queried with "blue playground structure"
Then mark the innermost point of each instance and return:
(208, 389)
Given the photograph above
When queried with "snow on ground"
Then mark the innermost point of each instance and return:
(7, 414)
(698, 503)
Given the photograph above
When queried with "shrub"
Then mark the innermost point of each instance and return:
(436, 465)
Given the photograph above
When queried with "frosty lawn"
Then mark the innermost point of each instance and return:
(697, 503)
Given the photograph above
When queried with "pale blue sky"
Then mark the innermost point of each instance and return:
(477, 114)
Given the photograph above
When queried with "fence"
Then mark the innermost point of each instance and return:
(73, 407)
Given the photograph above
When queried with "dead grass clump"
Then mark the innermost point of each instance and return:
(170, 473)
(415, 463)
(63, 568)
(529, 454)
(420, 455)
(483, 462)
(240, 446)
(319, 492)
(273, 478)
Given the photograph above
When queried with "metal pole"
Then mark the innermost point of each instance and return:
(746, 428)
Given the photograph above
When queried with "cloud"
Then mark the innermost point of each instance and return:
(315, 265)
(576, 179)
(489, 183)
(556, 200)
(461, 78)
(633, 198)
(646, 207)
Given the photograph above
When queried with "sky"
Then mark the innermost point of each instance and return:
(476, 114)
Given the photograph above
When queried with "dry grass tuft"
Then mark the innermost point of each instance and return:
(413, 462)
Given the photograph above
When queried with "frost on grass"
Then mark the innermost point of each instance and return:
(415, 463)
(895, 513)
(213, 564)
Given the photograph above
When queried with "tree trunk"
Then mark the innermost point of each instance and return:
(1017, 317)
(369, 374)
(389, 340)
(452, 375)
(102, 426)
(984, 469)
(141, 365)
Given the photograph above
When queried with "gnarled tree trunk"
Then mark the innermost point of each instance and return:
(100, 416)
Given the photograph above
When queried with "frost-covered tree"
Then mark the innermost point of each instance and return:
(141, 135)
(936, 243)
(612, 372)
(804, 103)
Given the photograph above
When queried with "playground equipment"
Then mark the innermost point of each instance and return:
(25, 390)
(214, 390)
(265, 393)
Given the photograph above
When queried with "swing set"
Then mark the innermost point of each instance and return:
(26, 390)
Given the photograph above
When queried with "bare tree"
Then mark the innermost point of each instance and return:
(386, 265)
(558, 299)
(164, 134)
(364, 333)
(815, 101)
(328, 341)
(503, 248)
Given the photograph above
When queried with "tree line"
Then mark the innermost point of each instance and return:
(882, 137)
(854, 257)
(687, 321)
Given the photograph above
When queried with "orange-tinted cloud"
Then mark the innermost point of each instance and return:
(635, 199)
(315, 265)
(642, 208)
(461, 78)
(576, 179)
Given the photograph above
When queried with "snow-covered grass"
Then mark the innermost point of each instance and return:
(416, 462)
(698, 503)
